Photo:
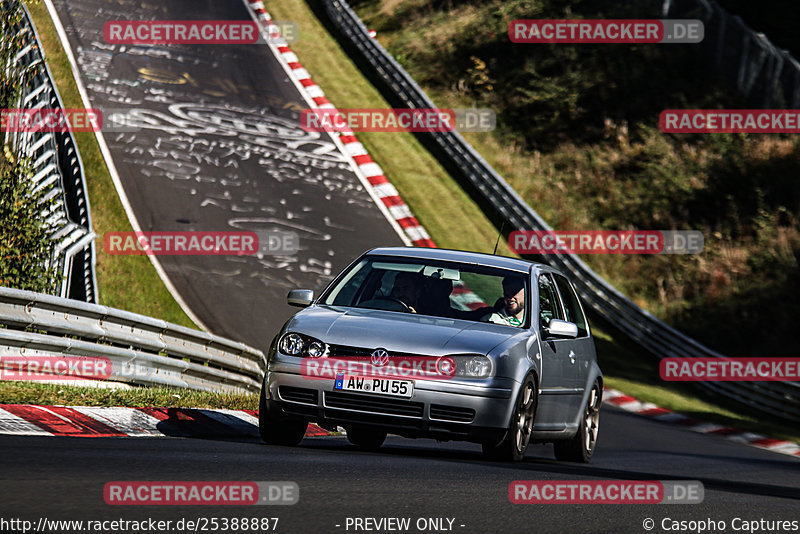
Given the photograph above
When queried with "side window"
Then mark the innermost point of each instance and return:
(572, 307)
(548, 301)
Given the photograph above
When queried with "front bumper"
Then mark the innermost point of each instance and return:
(445, 410)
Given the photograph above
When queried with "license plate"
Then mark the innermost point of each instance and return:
(377, 386)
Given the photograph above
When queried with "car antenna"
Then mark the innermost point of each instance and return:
(498, 237)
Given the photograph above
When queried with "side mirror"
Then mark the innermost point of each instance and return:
(302, 298)
(559, 328)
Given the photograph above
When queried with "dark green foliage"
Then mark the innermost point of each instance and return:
(25, 249)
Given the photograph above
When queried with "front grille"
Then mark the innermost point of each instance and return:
(346, 350)
(302, 395)
(452, 413)
(370, 404)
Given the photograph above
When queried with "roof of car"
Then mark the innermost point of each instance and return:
(489, 260)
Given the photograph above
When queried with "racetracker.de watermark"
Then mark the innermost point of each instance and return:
(730, 121)
(729, 369)
(606, 241)
(606, 31)
(209, 493)
(41, 367)
(54, 367)
(150, 32)
(398, 120)
(367, 367)
(243, 243)
(51, 120)
(606, 492)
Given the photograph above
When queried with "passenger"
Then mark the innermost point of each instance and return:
(512, 312)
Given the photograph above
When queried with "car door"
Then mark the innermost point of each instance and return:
(558, 370)
(582, 350)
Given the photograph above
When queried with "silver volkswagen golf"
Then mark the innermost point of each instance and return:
(442, 344)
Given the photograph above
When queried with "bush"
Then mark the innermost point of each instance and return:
(25, 249)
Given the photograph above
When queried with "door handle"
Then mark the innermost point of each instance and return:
(572, 357)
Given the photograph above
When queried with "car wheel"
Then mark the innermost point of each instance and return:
(515, 442)
(288, 432)
(368, 439)
(581, 447)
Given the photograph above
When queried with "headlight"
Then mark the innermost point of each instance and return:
(478, 366)
(291, 344)
(300, 345)
(466, 365)
(316, 349)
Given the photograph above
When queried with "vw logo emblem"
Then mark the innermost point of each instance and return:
(379, 357)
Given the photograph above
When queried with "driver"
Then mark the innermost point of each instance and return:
(513, 311)
(408, 289)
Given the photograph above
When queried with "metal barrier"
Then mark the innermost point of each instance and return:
(57, 170)
(780, 399)
(141, 350)
(765, 75)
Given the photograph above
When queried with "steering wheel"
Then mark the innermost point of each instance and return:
(404, 307)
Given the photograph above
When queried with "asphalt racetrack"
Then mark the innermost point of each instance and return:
(217, 146)
(63, 478)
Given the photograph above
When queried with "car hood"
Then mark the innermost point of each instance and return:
(399, 332)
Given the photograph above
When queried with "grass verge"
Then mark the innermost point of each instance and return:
(61, 395)
(127, 282)
(627, 369)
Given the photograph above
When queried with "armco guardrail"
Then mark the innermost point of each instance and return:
(57, 169)
(141, 350)
(765, 75)
(780, 399)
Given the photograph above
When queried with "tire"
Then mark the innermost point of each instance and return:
(581, 447)
(368, 439)
(515, 441)
(288, 432)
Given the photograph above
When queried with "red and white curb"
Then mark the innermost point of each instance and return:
(105, 422)
(381, 187)
(376, 179)
(648, 409)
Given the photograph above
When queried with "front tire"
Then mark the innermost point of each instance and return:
(515, 442)
(288, 432)
(368, 439)
(581, 447)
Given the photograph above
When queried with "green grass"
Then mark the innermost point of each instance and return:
(126, 282)
(60, 395)
(625, 368)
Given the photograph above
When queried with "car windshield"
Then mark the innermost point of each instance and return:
(441, 289)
